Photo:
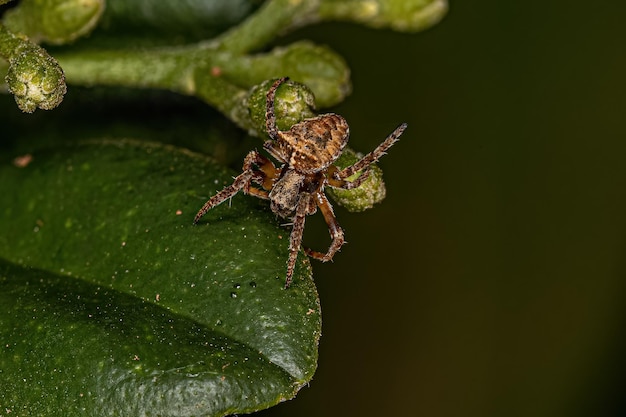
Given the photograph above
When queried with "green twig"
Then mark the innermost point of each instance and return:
(274, 18)
(218, 77)
(278, 17)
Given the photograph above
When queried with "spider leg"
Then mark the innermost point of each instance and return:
(373, 156)
(242, 181)
(336, 232)
(270, 116)
(295, 238)
(265, 174)
(270, 147)
(257, 192)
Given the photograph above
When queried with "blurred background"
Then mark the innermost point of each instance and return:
(491, 280)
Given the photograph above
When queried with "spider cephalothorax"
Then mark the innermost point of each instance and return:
(307, 152)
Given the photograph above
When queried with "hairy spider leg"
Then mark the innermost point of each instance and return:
(336, 232)
(295, 238)
(373, 156)
(264, 175)
(240, 181)
(308, 204)
(270, 116)
(270, 147)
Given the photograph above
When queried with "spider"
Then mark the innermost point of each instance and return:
(306, 152)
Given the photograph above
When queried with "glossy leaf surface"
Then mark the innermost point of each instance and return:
(112, 301)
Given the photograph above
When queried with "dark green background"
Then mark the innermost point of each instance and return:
(491, 280)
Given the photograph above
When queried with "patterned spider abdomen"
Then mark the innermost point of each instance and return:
(312, 145)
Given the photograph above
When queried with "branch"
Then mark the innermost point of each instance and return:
(277, 17)
(220, 78)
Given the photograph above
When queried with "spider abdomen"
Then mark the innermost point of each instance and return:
(314, 144)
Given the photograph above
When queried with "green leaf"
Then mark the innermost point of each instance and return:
(111, 301)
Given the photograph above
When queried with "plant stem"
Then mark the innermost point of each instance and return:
(277, 17)
(218, 77)
(274, 18)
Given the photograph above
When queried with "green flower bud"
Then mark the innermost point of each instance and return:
(363, 197)
(54, 21)
(294, 103)
(35, 79)
(400, 15)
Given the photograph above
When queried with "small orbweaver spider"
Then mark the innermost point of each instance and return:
(306, 152)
